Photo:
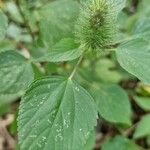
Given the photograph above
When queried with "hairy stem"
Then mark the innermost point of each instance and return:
(76, 67)
(112, 50)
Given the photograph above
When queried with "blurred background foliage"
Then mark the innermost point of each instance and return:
(34, 27)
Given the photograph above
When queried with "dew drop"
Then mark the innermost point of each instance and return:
(33, 136)
(66, 123)
(58, 137)
(43, 138)
(77, 89)
(56, 125)
(59, 129)
(41, 102)
(31, 104)
(36, 123)
(49, 121)
(87, 134)
(48, 86)
(39, 145)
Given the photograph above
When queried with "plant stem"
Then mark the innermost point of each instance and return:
(76, 67)
(128, 131)
(25, 20)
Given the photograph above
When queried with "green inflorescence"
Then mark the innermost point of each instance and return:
(97, 24)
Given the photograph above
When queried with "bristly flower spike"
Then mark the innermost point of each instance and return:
(96, 26)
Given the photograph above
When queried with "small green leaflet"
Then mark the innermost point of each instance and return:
(113, 104)
(64, 50)
(134, 56)
(120, 143)
(53, 115)
(15, 75)
(143, 102)
(3, 25)
(143, 128)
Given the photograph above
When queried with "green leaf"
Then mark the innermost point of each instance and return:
(13, 11)
(120, 143)
(29, 14)
(57, 21)
(90, 142)
(143, 128)
(113, 104)
(143, 102)
(15, 75)
(142, 28)
(55, 113)
(64, 50)
(143, 8)
(134, 56)
(103, 68)
(3, 25)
